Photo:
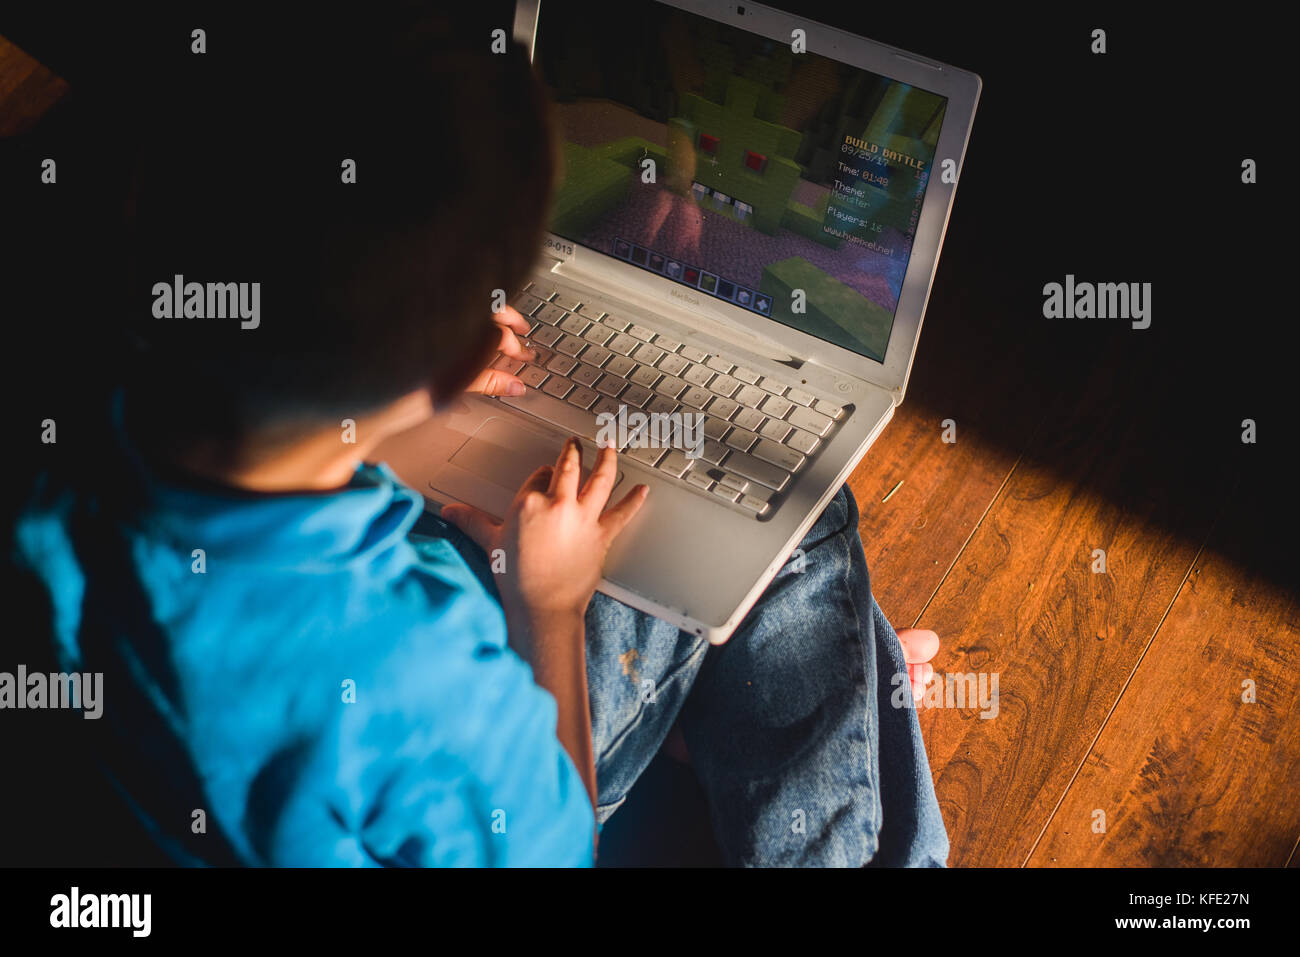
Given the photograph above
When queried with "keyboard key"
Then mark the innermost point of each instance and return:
(672, 364)
(550, 314)
(723, 407)
(811, 421)
(615, 323)
(525, 304)
(586, 375)
(650, 455)
(557, 387)
(734, 482)
(696, 397)
(570, 345)
(749, 419)
(561, 365)
(698, 375)
(719, 364)
(666, 344)
(675, 463)
(748, 376)
(546, 335)
(828, 408)
(620, 366)
(802, 441)
(774, 429)
(772, 405)
(662, 405)
(713, 452)
(758, 471)
(722, 491)
(754, 503)
(780, 455)
(565, 301)
(636, 396)
(583, 397)
(596, 356)
(800, 397)
(694, 354)
(724, 385)
(622, 343)
(741, 439)
(598, 334)
(771, 385)
(641, 332)
(574, 325)
(611, 385)
(533, 376)
(544, 355)
(605, 406)
(507, 364)
(671, 386)
(590, 311)
(646, 376)
(750, 395)
(648, 354)
(715, 428)
(699, 480)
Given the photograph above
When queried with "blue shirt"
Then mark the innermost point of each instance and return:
(326, 688)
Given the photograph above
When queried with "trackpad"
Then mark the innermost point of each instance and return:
(489, 468)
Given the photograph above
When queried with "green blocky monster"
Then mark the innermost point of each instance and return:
(736, 154)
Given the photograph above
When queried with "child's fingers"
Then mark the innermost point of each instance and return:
(496, 382)
(919, 644)
(512, 347)
(539, 481)
(510, 318)
(601, 481)
(615, 518)
(568, 468)
(477, 524)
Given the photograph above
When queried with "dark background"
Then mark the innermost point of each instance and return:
(1123, 167)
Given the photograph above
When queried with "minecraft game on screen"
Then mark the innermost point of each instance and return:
(770, 171)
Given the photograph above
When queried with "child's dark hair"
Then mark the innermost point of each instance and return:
(368, 289)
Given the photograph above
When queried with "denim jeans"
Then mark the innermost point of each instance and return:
(789, 725)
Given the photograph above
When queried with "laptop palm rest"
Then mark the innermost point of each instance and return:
(497, 459)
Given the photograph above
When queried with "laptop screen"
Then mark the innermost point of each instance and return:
(782, 182)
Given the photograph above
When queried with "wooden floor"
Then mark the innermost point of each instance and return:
(1122, 737)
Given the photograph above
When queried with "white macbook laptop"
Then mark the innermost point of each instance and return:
(739, 259)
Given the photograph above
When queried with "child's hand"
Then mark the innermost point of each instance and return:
(555, 535)
(495, 381)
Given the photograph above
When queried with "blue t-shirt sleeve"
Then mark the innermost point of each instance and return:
(448, 756)
(502, 792)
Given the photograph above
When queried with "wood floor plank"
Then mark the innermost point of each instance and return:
(27, 89)
(1023, 602)
(996, 384)
(1185, 772)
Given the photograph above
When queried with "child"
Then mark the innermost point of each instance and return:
(283, 657)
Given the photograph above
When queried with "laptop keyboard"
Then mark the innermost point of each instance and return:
(758, 432)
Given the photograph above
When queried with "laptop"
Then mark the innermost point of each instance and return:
(732, 287)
